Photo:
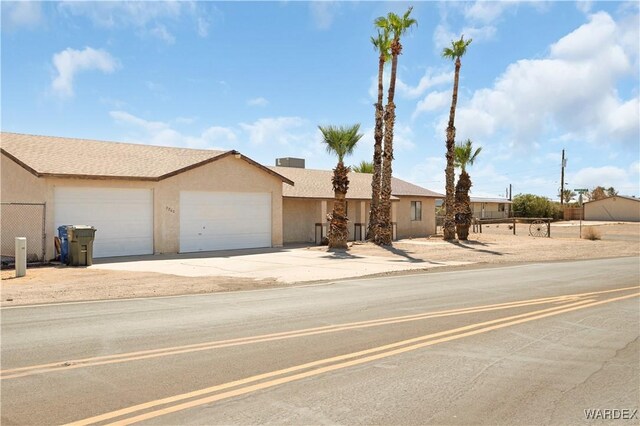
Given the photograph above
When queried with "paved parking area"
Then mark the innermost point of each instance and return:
(286, 265)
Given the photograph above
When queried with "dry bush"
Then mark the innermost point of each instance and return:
(592, 233)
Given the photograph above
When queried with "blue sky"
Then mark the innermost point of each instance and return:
(260, 76)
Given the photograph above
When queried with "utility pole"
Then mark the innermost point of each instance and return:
(564, 164)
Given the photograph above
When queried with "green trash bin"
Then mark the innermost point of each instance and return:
(81, 244)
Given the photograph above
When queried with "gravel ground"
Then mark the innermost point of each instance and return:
(496, 245)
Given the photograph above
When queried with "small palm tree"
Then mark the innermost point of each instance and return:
(382, 45)
(464, 156)
(397, 26)
(340, 141)
(363, 167)
(455, 52)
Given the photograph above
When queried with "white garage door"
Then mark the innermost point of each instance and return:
(123, 217)
(224, 220)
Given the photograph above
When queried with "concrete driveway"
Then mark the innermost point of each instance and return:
(288, 265)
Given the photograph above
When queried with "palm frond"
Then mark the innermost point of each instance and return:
(464, 155)
(340, 140)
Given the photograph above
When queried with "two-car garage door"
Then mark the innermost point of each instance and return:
(224, 220)
(123, 217)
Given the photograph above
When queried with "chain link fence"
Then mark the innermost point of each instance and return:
(22, 220)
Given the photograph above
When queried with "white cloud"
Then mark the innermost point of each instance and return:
(21, 14)
(69, 62)
(443, 35)
(607, 176)
(278, 130)
(572, 91)
(584, 6)
(430, 79)
(160, 31)
(432, 102)
(323, 13)
(487, 11)
(162, 134)
(260, 102)
(149, 17)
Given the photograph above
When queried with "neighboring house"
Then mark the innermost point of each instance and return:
(617, 208)
(490, 208)
(142, 199)
(305, 205)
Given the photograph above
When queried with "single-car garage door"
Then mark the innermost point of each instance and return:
(224, 220)
(123, 217)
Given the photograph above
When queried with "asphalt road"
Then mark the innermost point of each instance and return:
(529, 344)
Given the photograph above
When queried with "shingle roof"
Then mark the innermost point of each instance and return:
(317, 184)
(491, 200)
(56, 156)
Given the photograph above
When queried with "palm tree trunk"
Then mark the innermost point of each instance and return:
(377, 157)
(449, 229)
(384, 235)
(463, 214)
(338, 231)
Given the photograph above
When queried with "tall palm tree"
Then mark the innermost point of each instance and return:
(381, 44)
(397, 26)
(455, 52)
(464, 156)
(363, 167)
(340, 141)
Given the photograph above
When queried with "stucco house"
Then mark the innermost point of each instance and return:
(490, 208)
(150, 199)
(142, 199)
(618, 208)
(306, 204)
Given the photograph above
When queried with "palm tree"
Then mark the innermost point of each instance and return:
(455, 52)
(568, 195)
(397, 26)
(381, 44)
(340, 141)
(464, 156)
(364, 167)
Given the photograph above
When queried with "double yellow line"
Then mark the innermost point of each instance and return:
(160, 407)
(205, 346)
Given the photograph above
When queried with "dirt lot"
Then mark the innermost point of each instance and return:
(496, 245)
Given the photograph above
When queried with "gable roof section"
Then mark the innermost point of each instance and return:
(317, 184)
(51, 156)
(615, 196)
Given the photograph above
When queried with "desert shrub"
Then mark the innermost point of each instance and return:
(592, 233)
(529, 205)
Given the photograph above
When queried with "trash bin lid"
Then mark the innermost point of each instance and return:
(81, 227)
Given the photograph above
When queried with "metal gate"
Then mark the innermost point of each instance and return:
(23, 220)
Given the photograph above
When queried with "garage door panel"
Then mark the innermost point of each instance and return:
(224, 220)
(123, 217)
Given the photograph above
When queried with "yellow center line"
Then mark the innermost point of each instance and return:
(155, 353)
(391, 349)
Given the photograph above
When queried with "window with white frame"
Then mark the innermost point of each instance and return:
(416, 210)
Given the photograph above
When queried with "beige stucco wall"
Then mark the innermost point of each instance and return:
(19, 185)
(613, 208)
(229, 174)
(408, 228)
(490, 210)
(301, 214)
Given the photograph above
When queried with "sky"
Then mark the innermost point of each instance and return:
(259, 77)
